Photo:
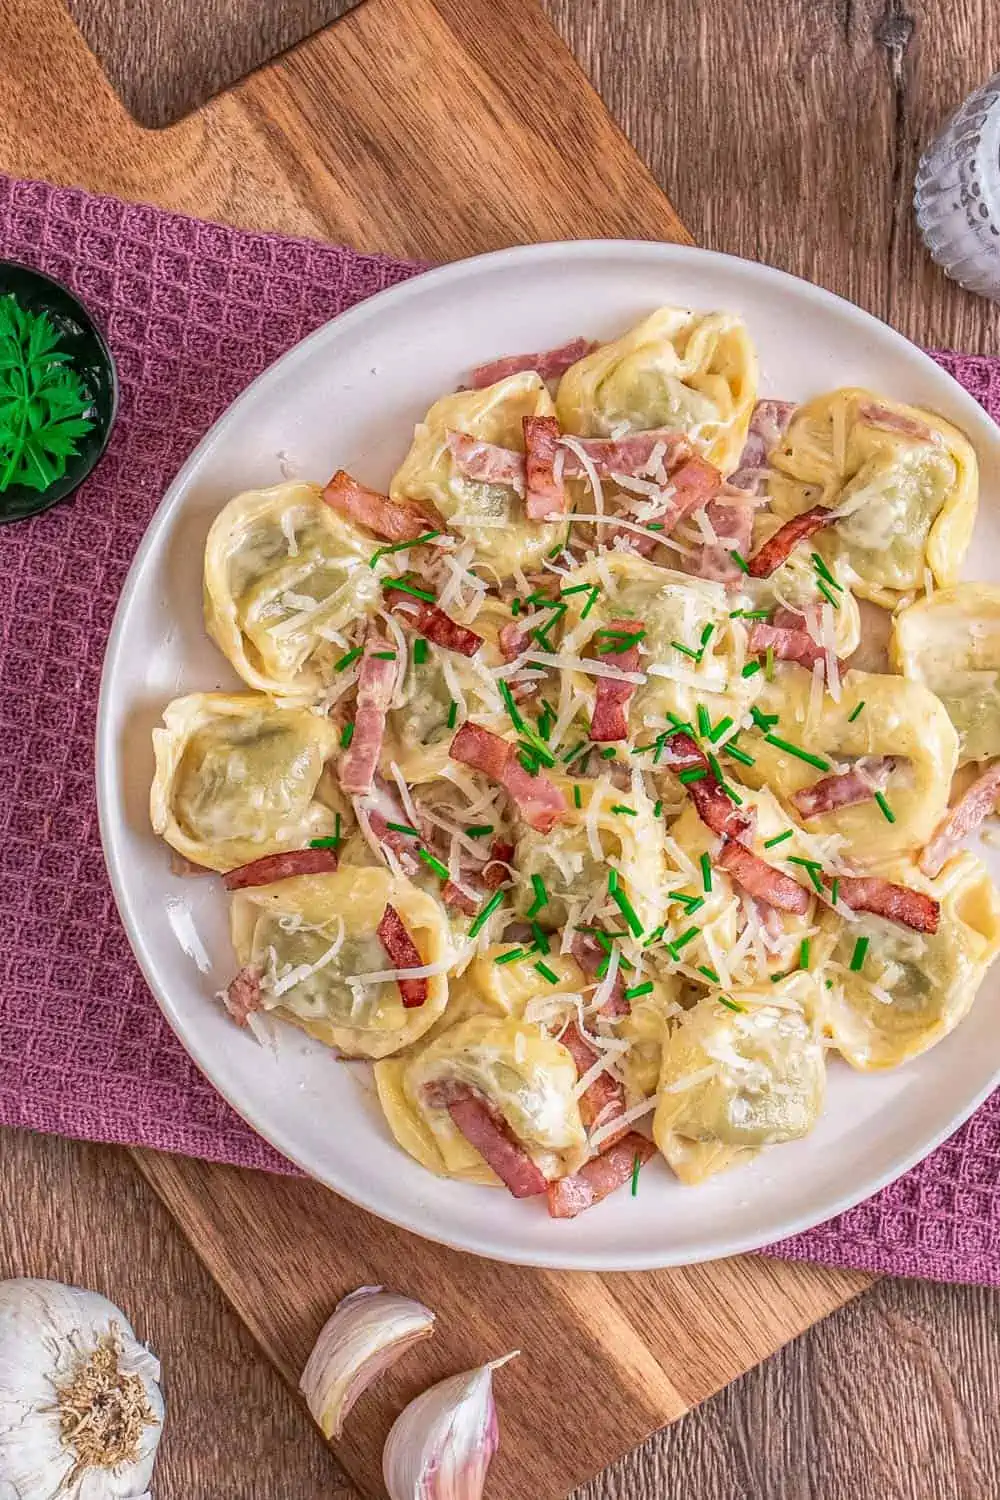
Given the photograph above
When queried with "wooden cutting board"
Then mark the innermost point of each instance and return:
(427, 128)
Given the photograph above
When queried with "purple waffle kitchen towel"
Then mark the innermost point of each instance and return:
(193, 311)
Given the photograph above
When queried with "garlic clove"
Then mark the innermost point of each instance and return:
(441, 1445)
(366, 1333)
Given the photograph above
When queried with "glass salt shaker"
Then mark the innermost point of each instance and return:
(957, 196)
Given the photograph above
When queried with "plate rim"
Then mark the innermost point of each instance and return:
(105, 758)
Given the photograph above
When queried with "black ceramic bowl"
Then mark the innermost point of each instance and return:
(92, 361)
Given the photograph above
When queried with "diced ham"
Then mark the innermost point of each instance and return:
(694, 484)
(962, 819)
(609, 719)
(404, 954)
(376, 682)
(550, 364)
(243, 994)
(898, 903)
(495, 870)
(590, 956)
(732, 522)
(281, 867)
(539, 800)
(768, 426)
(392, 520)
(762, 880)
(485, 1128)
(874, 414)
(604, 1100)
(487, 463)
(780, 546)
(430, 621)
(477, 882)
(716, 810)
(787, 645)
(545, 495)
(513, 639)
(599, 1177)
(846, 789)
(382, 807)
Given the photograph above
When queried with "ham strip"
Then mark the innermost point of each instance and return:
(768, 426)
(859, 784)
(599, 1177)
(489, 463)
(539, 800)
(430, 621)
(761, 880)
(550, 364)
(468, 897)
(732, 522)
(604, 1100)
(590, 956)
(485, 1128)
(962, 819)
(242, 997)
(486, 463)
(376, 682)
(609, 720)
(873, 414)
(544, 492)
(780, 546)
(787, 644)
(898, 903)
(281, 867)
(694, 484)
(403, 954)
(392, 520)
(716, 810)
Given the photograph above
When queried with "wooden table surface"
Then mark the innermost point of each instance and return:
(789, 133)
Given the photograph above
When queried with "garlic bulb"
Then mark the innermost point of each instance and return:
(80, 1409)
(366, 1333)
(441, 1445)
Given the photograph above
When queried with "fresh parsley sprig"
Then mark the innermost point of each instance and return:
(43, 402)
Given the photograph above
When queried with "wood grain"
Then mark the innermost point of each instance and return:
(164, 60)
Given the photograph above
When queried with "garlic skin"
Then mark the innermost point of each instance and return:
(366, 1333)
(441, 1445)
(75, 1387)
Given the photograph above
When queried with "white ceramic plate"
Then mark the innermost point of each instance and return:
(349, 395)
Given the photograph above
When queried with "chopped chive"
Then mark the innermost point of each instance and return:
(835, 890)
(537, 748)
(638, 990)
(679, 646)
(581, 749)
(478, 830)
(749, 614)
(739, 560)
(402, 587)
(751, 669)
(738, 754)
(595, 594)
(763, 721)
(731, 793)
(541, 942)
(716, 734)
(811, 868)
(578, 588)
(515, 606)
(858, 956)
(682, 941)
(884, 808)
(418, 541)
(404, 828)
(824, 572)
(636, 1164)
(657, 809)
(706, 872)
(798, 752)
(709, 974)
(547, 973)
(485, 913)
(438, 868)
(854, 714)
(346, 735)
(704, 722)
(804, 954)
(325, 843)
(779, 838)
(420, 649)
(609, 753)
(541, 896)
(529, 763)
(626, 908)
(824, 590)
(769, 663)
(706, 634)
(345, 661)
(730, 1004)
(384, 655)
(716, 768)
(511, 956)
(452, 714)
(654, 936)
(777, 978)
(612, 881)
(615, 642)
(511, 706)
(693, 773)
(577, 798)
(619, 807)
(691, 904)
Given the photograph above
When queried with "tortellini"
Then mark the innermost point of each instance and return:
(238, 778)
(311, 937)
(284, 575)
(527, 1076)
(875, 716)
(490, 515)
(906, 990)
(739, 1076)
(908, 479)
(690, 371)
(951, 642)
